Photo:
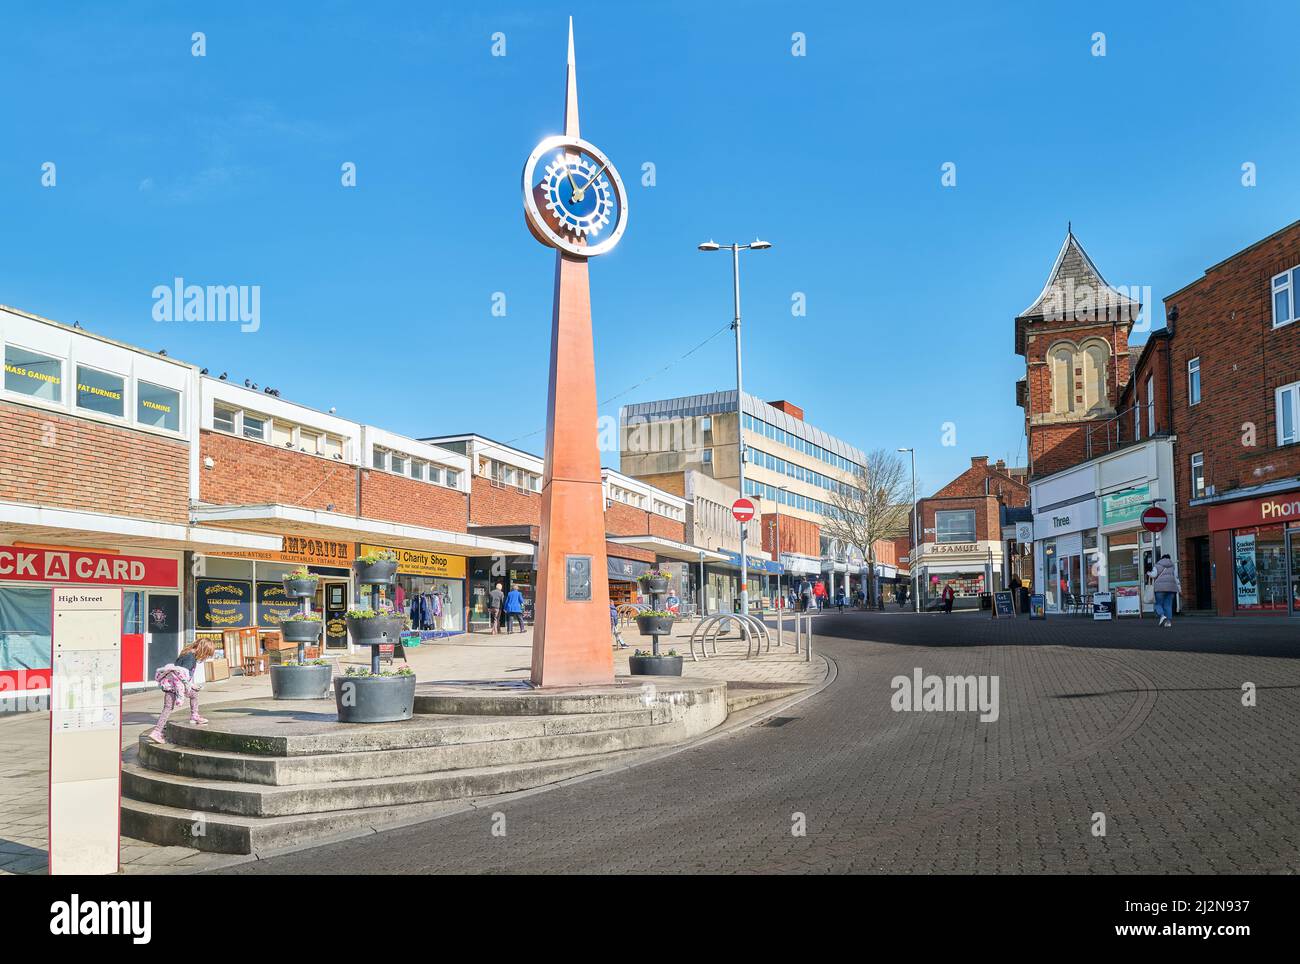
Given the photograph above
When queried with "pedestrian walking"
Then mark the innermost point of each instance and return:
(839, 600)
(496, 598)
(178, 681)
(947, 597)
(805, 595)
(514, 609)
(613, 626)
(1166, 587)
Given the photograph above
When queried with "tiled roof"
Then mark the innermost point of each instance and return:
(1072, 279)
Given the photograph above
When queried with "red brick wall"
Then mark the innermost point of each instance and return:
(91, 466)
(666, 528)
(987, 525)
(1225, 319)
(797, 535)
(493, 506)
(624, 520)
(1155, 363)
(974, 480)
(628, 552)
(248, 472)
(387, 496)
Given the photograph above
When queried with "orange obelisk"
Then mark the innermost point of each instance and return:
(571, 636)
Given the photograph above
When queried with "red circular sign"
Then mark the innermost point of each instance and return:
(743, 510)
(1155, 519)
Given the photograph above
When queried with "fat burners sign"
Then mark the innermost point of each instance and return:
(18, 564)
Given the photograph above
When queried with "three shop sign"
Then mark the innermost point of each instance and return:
(20, 564)
(742, 510)
(1155, 519)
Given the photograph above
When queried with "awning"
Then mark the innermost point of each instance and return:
(731, 560)
(795, 563)
(72, 527)
(956, 567)
(280, 520)
(667, 548)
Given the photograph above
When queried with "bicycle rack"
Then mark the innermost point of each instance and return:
(751, 629)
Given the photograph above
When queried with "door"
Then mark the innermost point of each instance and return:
(163, 622)
(1201, 565)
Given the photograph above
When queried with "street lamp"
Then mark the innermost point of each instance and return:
(755, 245)
(916, 542)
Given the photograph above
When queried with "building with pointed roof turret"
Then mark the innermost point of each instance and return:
(1074, 338)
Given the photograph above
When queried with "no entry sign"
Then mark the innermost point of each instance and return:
(743, 510)
(1155, 519)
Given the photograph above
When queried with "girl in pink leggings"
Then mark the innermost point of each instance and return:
(176, 680)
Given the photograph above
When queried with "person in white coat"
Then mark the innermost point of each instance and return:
(1166, 588)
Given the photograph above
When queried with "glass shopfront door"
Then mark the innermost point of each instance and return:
(1293, 557)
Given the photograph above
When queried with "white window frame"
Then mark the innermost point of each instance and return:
(234, 419)
(180, 407)
(1151, 405)
(1137, 417)
(1194, 370)
(1284, 282)
(1293, 390)
(243, 425)
(1198, 472)
(126, 415)
(64, 402)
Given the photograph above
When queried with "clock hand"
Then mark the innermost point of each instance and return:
(569, 171)
(578, 195)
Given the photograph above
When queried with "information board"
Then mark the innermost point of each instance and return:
(1004, 606)
(1037, 606)
(1101, 605)
(85, 730)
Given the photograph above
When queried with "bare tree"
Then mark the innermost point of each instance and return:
(875, 506)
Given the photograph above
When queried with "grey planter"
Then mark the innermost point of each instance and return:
(374, 699)
(374, 573)
(308, 682)
(655, 665)
(300, 588)
(655, 585)
(655, 625)
(369, 632)
(300, 630)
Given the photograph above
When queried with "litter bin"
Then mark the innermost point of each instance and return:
(986, 600)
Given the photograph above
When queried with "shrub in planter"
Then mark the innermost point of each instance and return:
(654, 581)
(655, 622)
(376, 567)
(369, 627)
(365, 697)
(301, 627)
(648, 664)
(301, 681)
(300, 583)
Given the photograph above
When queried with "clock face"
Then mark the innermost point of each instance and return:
(573, 197)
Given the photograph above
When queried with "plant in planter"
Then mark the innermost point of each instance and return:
(300, 583)
(379, 566)
(301, 679)
(654, 581)
(301, 627)
(366, 696)
(642, 663)
(370, 627)
(655, 622)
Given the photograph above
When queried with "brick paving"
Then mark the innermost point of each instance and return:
(24, 738)
(1142, 724)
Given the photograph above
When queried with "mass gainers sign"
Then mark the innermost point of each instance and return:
(20, 564)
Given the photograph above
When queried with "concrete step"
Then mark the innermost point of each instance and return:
(329, 768)
(183, 826)
(314, 731)
(741, 696)
(627, 693)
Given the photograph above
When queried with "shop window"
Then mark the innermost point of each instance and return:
(26, 626)
(101, 392)
(1288, 413)
(158, 407)
(1259, 569)
(1194, 382)
(1284, 298)
(954, 525)
(132, 614)
(1198, 475)
(32, 374)
(223, 419)
(254, 427)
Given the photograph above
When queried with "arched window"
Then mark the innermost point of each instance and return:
(1095, 394)
(1062, 360)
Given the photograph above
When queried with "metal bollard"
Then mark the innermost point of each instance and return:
(807, 651)
(780, 623)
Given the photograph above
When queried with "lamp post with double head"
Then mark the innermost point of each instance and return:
(916, 543)
(735, 249)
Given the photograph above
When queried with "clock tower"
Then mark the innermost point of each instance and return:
(574, 202)
(1074, 339)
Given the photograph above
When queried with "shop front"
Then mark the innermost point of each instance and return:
(1256, 548)
(152, 621)
(972, 569)
(722, 583)
(430, 589)
(511, 572)
(685, 563)
(623, 576)
(1130, 551)
(1069, 566)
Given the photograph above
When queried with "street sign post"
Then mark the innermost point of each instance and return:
(742, 510)
(1154, 519)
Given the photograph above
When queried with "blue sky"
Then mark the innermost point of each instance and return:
(377, 299)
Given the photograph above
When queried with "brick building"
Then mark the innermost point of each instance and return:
(962, 533)
(1074, 339)
(1234, 394)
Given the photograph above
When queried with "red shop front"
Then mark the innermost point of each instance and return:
(1256, 543)
(151, 611)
